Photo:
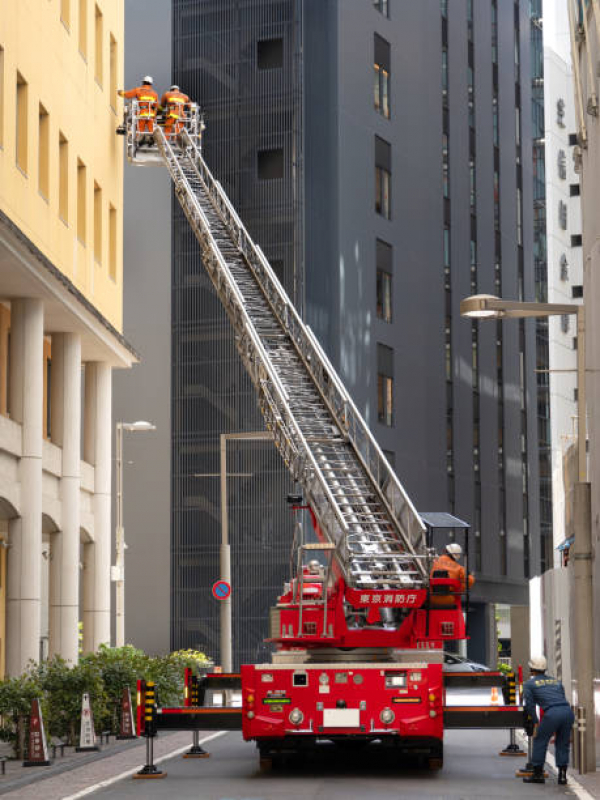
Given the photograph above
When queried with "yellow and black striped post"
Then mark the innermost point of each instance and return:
(509, 690)
(149, 770)
(196, 750)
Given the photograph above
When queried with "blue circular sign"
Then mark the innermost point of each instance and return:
(221, 590)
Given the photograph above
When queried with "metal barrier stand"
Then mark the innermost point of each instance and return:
(150, 770)
(510, 696)
(196, 750)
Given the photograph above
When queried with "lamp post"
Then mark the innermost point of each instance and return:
(118, 571)
(485, 306)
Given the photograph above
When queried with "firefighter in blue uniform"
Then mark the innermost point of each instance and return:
(548, 693)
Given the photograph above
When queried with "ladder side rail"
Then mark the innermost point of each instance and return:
(179, 177)
(375, 463)
(403, 512)
(325, 506)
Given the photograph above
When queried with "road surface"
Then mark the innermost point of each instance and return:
(472, 771)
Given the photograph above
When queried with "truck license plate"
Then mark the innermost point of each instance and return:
(341, 718)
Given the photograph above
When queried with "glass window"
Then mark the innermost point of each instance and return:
(270, 164)
(471, 96)
(98, 46)
(81, 202)
(445, 166)
(83, 45)
(63, 178)
(447, 247)
(495, 121)
(445, 74)
(382, 60)
(98, 239)
(44, 152)
(269, 54)
(22, 123)
(114, 68)
(496, 200)
(385, 384)
(385, 400)
(382, 192)
(384, 295)
(382, 91)
(112, 241)
(382, 6)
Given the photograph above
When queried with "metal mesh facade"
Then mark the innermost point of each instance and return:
(236, 57)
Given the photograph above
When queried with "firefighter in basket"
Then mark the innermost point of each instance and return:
(175, 106)
(448, 562)
(147, 100)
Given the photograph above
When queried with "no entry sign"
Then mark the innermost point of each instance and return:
(221, 590)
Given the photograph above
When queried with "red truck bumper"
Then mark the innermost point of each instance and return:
(286, 708)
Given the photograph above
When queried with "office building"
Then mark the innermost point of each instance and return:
(381, 154)
(60, 321)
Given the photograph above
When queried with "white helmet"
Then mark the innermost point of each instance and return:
(538, 663)
(148, 79)
(174, 88)
(454, 549)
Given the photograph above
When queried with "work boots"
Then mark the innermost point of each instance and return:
(562, 775)
(537, 776)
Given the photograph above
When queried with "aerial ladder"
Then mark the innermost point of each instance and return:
(357, 631)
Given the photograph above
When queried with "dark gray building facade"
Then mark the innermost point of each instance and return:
(380, 152)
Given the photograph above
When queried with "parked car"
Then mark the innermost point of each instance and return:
(469, 696)
(456, 663)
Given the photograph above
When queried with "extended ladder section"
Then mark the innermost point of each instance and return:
(359, 503)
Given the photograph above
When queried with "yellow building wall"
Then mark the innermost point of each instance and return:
(57, 47)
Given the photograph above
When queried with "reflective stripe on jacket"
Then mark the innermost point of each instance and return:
(147, 100)
(173, 103)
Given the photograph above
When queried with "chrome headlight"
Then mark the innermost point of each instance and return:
(296, 716)
(387, 716)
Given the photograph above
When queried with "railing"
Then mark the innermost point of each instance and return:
(192, 122)
(408, 523)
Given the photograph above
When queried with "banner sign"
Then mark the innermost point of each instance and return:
(127, 729)
(87, 734)
(38, 747)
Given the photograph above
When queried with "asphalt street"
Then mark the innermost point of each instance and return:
(472, 771)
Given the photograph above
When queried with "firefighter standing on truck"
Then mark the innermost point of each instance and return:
(147, 107)
(174, 104)
(448, 562)
(549, 694)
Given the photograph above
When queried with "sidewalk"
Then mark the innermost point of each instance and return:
(590, 782)
(76, 772)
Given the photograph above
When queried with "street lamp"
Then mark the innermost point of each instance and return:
(118, 571)
(486, 306)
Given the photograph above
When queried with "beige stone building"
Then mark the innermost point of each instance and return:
(61, 175)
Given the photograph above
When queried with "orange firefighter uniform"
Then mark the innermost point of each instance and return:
(174, 105)
(455, 572)
(147, 106)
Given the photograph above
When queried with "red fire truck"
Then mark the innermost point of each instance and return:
(359, 629)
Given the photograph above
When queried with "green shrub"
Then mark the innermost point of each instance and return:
(103, 675)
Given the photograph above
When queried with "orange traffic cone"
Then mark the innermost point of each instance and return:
(494, 698)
